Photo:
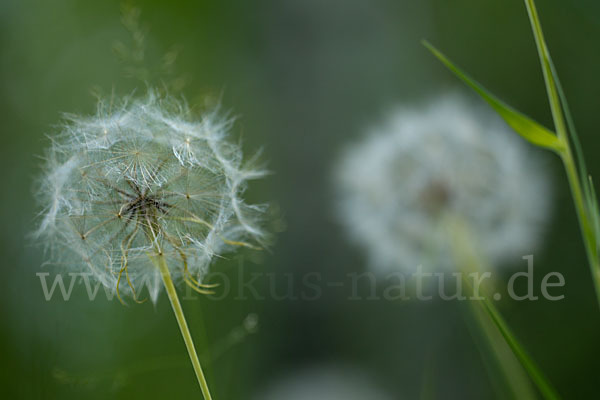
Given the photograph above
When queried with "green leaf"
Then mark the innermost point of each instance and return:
(523, 125)
(506, 374)
(467, 256)
(532, 369)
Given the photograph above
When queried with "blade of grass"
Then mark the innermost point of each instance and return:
(523, 125)
(595, 213)
(544, 54)
(508, 378)
(532, 369)
(470, 260)
(581, 191)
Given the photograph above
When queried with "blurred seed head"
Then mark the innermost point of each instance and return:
(398, 184)
(143, 177)
(325, 383)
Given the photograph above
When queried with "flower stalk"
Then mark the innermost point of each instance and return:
(185, 331)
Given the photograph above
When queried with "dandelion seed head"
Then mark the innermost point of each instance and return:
(143, 178)
(327, 382)
(397, 186)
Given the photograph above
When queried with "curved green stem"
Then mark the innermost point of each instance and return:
(535, 373)
(585, 223)
(185, 332)
(467, 256)
(580, 197)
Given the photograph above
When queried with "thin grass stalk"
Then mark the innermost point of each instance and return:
(470, 261)
(557, 105)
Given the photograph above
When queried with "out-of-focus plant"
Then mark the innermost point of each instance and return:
(447, 188)
(399, 186)
(330, 382)
(122, 375)
(565, 143)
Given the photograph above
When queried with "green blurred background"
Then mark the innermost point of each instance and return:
(305, 78)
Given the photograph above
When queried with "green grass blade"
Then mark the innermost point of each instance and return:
(532, 369)
(586, 181)
(545, 61)
(581, 190)
(523, 125)
(595, 213)
(467, 256)
(570, 124)
(508, 377)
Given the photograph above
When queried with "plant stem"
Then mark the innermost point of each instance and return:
(536, 375)
(573, 175)
(509, 366)
(544, 55)
(587, 232)
(185, 332)
(467, 256)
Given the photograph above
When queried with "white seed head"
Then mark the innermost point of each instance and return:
(139, 179)
(325, 383)
(399, 184)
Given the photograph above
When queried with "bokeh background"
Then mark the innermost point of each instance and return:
(305, 77)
